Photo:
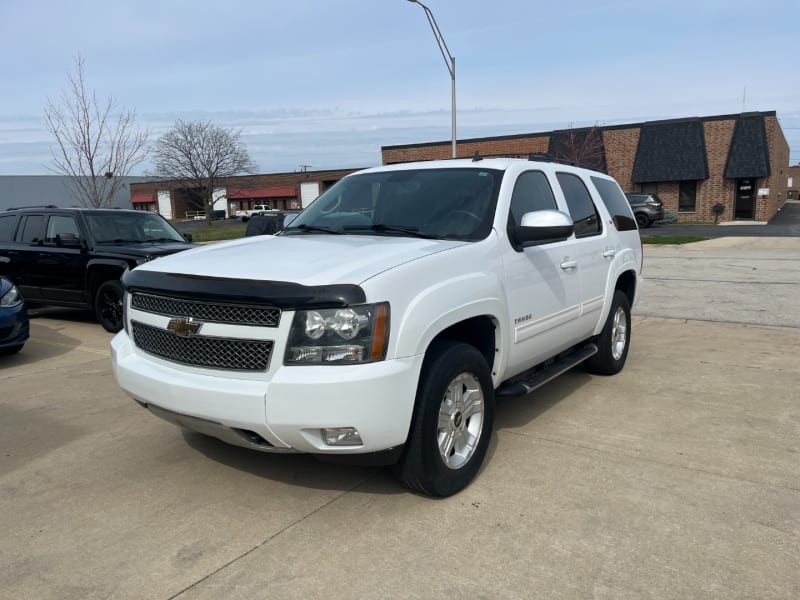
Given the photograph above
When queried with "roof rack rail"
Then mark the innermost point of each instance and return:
(562, 161)
(542, 156)
(32, 206)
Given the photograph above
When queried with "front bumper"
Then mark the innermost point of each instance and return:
(286, 410)
(655, 213)
(14, 328)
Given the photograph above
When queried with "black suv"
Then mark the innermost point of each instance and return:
(646, 208)
(75, 256)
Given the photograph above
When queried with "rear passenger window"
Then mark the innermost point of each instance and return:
(31, 229)
(581, 207)
(531, 193)
(7, 226)
(61, 230)
(616, 203)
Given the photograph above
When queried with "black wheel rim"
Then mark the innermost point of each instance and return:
(110, 308)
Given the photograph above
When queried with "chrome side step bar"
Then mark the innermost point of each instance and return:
(539, 376)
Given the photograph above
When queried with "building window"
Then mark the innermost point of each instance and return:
(649, 188)
(687, 196)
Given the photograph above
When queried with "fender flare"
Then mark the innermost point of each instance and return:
(93, 264)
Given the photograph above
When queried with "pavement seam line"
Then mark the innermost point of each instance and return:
(650, 460)
(71, 347)
(726, 281)
(269, 539)
(637, 313)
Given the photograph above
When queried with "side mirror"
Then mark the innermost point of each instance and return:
(68, 240)
(188, 237)
(541, 227)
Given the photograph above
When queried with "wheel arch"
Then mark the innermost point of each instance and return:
(626, 283)
(101, 270)
(479, 332)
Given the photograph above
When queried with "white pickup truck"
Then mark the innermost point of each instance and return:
(258, 209)
(395, 309)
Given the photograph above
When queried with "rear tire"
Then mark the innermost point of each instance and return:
(643, 220)
(452, 423)
(615, 339)
(108, 305)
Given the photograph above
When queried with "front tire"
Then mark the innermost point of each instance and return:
(108, 305)
(452, 422)
(615, 339)
(8, 350)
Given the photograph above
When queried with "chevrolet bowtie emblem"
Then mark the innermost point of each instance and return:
(184, 327)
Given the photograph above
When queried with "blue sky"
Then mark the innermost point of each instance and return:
(326, 84)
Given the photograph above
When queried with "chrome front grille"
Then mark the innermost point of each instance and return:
(202, 351)
(209, 312)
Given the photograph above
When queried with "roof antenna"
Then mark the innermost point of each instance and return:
(477, 157)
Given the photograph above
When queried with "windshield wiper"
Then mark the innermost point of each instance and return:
(121, 241)
(164, 239)
(304, 227)
(384, 228)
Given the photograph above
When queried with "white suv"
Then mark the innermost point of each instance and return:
(390, 314)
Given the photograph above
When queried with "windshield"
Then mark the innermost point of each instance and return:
(131, 227)
(450, 203)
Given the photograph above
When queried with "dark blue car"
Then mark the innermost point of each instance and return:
(13, 318)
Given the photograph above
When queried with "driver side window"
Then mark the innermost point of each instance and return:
(531, 193)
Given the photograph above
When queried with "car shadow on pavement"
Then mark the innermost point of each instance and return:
(519, 411)
(307, 471)
(301, 470)
(76, 315)
(52, 344)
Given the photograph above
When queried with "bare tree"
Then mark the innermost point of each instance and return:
(200, 155)
(96, 146)
(583, 146)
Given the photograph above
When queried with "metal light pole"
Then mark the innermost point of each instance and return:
(450, 64)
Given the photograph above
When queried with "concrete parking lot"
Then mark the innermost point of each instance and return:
(678, 478)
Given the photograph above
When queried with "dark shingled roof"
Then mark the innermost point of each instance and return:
(583, 145)
(671, 151)
(749, 152)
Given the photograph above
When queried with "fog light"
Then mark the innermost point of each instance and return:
(341, 436)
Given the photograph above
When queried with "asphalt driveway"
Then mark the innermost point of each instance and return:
(784, 224)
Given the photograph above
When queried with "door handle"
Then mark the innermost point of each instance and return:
(568, 263)
(609, 253)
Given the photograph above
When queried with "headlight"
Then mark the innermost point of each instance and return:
(11, 298)
(352, 335)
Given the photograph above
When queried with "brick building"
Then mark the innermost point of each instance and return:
(284, 191)
(739, 162)
(793, 184)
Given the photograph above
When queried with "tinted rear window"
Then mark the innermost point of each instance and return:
(616, 203)
(581, 208)
(7, 223)
(32, 226)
